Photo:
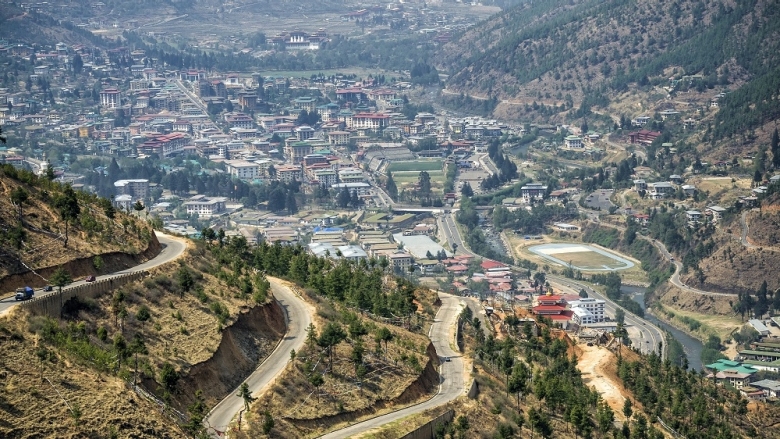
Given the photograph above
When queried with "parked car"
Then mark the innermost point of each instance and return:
(90, 278)
(48, 288)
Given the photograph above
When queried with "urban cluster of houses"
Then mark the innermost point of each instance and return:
(740, 373)
(572, 309)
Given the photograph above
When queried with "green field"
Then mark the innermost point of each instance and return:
(402, 177)
(590, 260)
(418, 165)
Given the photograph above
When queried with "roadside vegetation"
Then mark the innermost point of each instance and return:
(44, 223)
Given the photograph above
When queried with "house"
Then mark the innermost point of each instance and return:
(242, 169)
(288, 174)
(661, 189)
(643, 136)
(338, 138)
(770, 388)
(676, 179)
(573, 142)
(489, 265)
(689, 190)
(733, 377)
(716, 212)
(533, 191)
(759, 326)
(641, 218)
(205, 207)
(640, 185)
(693, 217)
(137, 189)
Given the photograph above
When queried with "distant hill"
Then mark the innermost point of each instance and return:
(577, 55)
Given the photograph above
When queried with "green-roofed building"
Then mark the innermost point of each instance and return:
(730, 365)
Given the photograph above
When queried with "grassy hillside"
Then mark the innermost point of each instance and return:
(171, 332)
(38, 216)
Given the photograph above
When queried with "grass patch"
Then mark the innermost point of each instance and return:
(703, 325)
(589, 260)
(417, 165)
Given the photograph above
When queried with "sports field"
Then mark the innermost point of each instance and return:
(417, 165)
(581, 257)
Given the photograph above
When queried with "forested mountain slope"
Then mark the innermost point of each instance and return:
(580, 52)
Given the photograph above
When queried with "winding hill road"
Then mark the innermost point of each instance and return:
(173, 247)
(452, 372)
(297, 317)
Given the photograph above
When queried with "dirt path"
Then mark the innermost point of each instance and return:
(592, 362)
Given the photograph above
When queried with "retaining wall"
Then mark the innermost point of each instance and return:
(428, 430)
(473, 390)
(51, 304)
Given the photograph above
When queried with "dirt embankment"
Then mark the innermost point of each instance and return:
(599, 370)
(244, 345)
(79, 268)
(422, 386)
(764, 227)
(733, 268)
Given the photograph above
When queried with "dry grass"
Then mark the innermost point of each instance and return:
(183, 330)
(43, 246)
(301, 410)
(30, 407)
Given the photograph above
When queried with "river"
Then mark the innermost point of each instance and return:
(692, 346)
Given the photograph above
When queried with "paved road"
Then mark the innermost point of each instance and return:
(452, 234)
(648, 332)
(675, 279)
(745, 230)
(172, 249)
(452, 373)
(297, 318)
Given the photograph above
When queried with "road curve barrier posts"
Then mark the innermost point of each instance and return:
(49, 305)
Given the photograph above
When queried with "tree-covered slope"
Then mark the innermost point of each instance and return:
(568, 52)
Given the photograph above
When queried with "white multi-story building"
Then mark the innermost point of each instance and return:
(533, 191)
(137, 189)
(351, 175)
(595, 307)
(582, 316)
(110, 98)
(289, 173)
(205, 207)
(242, 169)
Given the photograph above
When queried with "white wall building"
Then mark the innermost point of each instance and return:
(242, 169)
(594, 306)
(205, 207)
(137, 189)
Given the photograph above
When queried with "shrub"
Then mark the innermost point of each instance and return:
(164, 281)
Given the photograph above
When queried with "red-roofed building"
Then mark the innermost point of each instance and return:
(457, 268)
(489, 265)
(644, 136)
(551, 300)
(545, 310)
(164, 145)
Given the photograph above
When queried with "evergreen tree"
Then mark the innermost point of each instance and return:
(775, 144)
(392, 189)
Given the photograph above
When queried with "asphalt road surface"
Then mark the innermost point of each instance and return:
(172, 249)
(649, 334)
(451, 233)
(298, 318)
(599, 200)
(452, 375)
